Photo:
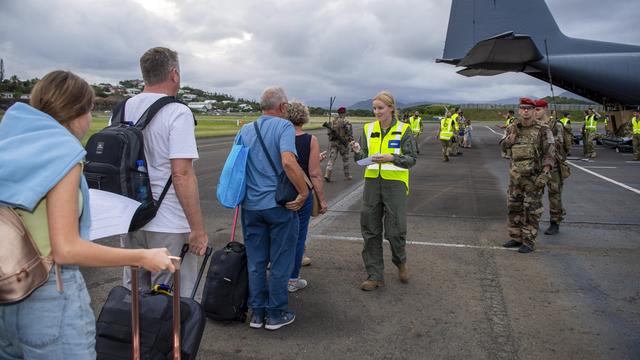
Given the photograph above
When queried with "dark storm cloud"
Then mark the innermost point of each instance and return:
(315, 49)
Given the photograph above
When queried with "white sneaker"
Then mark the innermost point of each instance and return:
(297, 284)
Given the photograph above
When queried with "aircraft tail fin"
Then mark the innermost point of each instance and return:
(474, 21)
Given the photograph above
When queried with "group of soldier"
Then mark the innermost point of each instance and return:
(537, 146)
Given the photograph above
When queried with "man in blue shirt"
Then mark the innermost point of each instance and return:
(270, 230)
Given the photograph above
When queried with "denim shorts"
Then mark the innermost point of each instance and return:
(49, 324)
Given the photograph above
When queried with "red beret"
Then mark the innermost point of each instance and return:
(527, 101)
(541, 103)
(341, 110)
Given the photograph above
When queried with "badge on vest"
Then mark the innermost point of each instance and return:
(394, 144)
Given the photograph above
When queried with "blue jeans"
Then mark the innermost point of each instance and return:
(49, 324)
(304, 214)
(269, 237)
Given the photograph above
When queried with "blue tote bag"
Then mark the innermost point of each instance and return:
(232, 184)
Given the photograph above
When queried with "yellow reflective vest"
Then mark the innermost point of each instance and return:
(446, 129)
(509, 121)
(590, 123)
(390, 144)
(635, 122)
(415, 124)
(454, 117)
(565, 120)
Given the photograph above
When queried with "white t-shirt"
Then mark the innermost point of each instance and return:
(170, 135)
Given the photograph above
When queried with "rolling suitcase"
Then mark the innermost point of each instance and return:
(226, 288)
(154, 333)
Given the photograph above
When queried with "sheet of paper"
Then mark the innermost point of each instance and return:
(111, 214)
(366, 161)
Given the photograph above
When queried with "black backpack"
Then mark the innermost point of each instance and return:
(112, 156)
(226, 288)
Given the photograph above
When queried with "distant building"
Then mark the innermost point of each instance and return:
(7, 95)
(25, 96)
(132, 91)
(189, 97)
(200, 106)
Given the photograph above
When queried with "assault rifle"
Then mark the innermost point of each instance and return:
(334, 135)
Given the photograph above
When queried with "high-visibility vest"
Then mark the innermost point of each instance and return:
(636, 125)
(415, 124)
(446, 129)
(565, 120)
(590, 123)
(390, 144)
(454, 117)
(509, 121)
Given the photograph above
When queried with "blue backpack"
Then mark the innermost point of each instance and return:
(232, 184)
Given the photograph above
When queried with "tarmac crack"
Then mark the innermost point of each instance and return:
(500, 341)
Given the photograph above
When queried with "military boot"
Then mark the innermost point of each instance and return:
(403, 273)
(348, 177)
(327, 176)
(553, 229)
(370, 285)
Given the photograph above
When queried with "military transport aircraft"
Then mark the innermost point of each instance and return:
(490, 37)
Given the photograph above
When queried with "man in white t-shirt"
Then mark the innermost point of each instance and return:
(170, 149)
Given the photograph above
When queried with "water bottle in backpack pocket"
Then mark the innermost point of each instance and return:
(140, 185)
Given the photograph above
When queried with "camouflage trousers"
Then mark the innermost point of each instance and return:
(587, 144)
(416, 136)
(554, 186)
(453, 144)
(636, 146)
(334, 149)
(524, 207)
(446, 148)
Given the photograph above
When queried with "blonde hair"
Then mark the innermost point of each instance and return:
(298, 113)
(389, 100)
(63, 95)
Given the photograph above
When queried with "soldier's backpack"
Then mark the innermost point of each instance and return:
(112, 161)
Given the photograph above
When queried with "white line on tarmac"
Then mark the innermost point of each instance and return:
(493, 131)
(423, 243)
(633, 162)
(605, 178)
(600, 167)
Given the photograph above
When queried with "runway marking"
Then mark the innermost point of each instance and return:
(633, 162)
(422, 243)
(605, 178)
(601, 167)
(493, 131)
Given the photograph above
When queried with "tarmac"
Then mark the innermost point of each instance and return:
(576, 297)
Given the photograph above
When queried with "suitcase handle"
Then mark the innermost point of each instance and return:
(135, 311)
(207, 254)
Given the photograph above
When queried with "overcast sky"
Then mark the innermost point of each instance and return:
(315, 49)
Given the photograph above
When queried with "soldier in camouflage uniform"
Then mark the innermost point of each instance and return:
(560, 169)
(568, 132)
(340, 135)
(530, 145)
(590, 132)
